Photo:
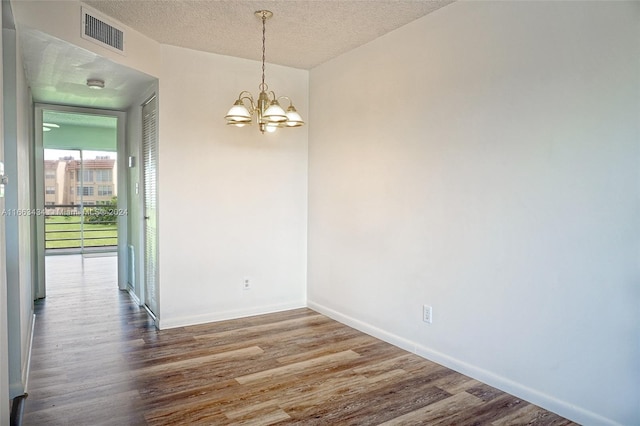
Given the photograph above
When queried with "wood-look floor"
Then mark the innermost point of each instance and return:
(97, 359)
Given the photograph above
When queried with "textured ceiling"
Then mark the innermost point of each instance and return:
(301, 34)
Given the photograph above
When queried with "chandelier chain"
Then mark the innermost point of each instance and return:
(264, 20)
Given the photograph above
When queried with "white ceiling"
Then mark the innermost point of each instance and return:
(57, 73)
(301, 34)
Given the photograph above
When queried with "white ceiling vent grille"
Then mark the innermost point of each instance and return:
(99, 30)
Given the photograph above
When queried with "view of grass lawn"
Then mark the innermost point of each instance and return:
(64, 232)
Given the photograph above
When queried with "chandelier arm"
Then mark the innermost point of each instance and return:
(287, 98)
(249, 98)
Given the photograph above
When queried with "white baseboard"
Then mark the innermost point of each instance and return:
(563, 408)
(26, 368)
(18, 388)
(166, 323)
(133, 295)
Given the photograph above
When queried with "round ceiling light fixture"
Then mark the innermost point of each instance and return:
(94, 83)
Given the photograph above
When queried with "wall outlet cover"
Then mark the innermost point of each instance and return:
(427, 314)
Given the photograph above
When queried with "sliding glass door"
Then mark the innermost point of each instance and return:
(80, 201)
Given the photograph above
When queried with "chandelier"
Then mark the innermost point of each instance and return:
(267, 110)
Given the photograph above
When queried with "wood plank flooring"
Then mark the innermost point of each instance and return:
(98, 360)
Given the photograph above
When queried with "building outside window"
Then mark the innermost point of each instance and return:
(85, 191)
(104, 190)
(104, 176)
(87, 175)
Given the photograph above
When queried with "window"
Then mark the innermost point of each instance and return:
(50, 190)
(105, 190)
(86, 190)
(50, 174)
(87, 175)
(104, 176)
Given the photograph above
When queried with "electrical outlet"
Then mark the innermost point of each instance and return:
(427, 314)
(246, 284)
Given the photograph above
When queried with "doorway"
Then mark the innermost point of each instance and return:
(80, 186)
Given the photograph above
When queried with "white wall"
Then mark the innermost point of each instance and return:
(17, 106)
(24, 107)
(232, 202)
(485, 160)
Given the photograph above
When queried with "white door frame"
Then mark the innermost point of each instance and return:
(39, 284)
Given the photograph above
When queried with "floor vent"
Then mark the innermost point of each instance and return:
(99, 30)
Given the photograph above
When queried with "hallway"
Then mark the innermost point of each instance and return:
(82, 330)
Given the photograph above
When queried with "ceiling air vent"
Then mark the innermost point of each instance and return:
(100, 31)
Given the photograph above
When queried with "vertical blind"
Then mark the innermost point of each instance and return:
(150, 160)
